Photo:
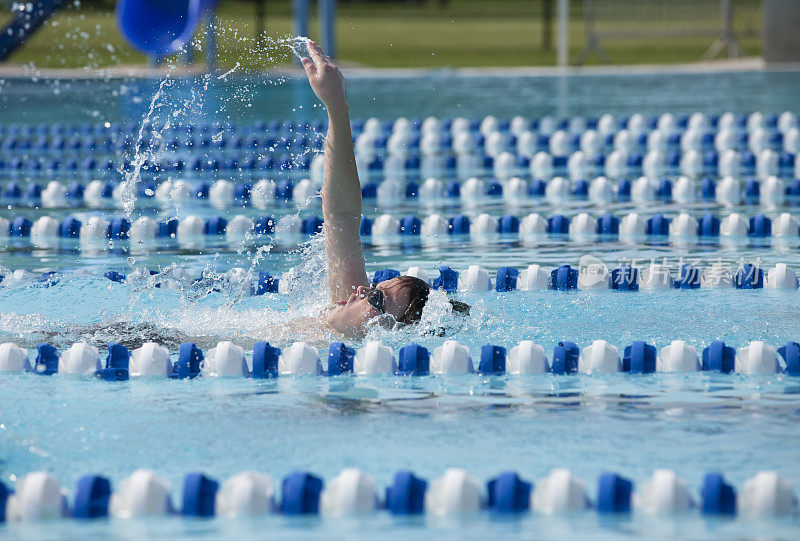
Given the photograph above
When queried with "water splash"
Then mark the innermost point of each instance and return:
(299, 46)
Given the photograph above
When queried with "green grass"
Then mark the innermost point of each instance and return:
(466, 33)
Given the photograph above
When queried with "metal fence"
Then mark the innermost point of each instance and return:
(723, 22)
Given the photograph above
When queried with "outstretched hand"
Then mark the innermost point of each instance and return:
(325, 78)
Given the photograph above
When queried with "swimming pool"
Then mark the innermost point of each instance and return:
(692, 423)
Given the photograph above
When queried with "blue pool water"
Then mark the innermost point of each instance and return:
(691, 423)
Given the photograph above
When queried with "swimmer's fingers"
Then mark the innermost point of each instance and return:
(310, 67)
(318, 55)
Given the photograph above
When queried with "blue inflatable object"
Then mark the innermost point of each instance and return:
(558, 224)
(458, 225)
(91, 497)
(340, 359)
(4, 494)
(506, 279)
(168, 228)
(20, 227)
(580, 189)
(719, 498)
(266, 284)
(752, 191)
(749, 277)
(118, 228)
(623, 190)
(157, 28)
(413, 360)
(614, 494)
(365, 228)
(383, 275)
(658, 225)
(708, 189)
(625, 278)
(69, 228)
(264, 225)
(215, 225)
(453, 189)
(607, 224)
(189, 363)
(565, 358)
(537, 187)
(718, 357)
(199, 495)
(46, 360)
(301, 492)
(410, 225)
(114, 276)
(369, 191)
(564, 278)
(508, 224)
(117, 363)
(639, 358)
(508, 493)
(265, 360)
(689, 277)
(760, 226)
(791, 356)
(13, 191)
(708, 226)
(406, 496)
(493, 360)
(311, 225)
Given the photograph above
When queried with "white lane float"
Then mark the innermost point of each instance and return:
(150, 360)
(38, 497)
(142, 494)
(664, 494)
(299, 359)
(767, 495)
(352, 492)
(246, 494)
(560, 492)
(527, 358)
(678, 356)
(533, 277)
(374, 359)
(454, 493)
(600, 358)
(475, 278)
(226, 359)
(14, 358)
(80, 359)
(451, 358)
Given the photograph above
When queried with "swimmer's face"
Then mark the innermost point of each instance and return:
(349, 316)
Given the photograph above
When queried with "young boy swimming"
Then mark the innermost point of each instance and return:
(354, 302)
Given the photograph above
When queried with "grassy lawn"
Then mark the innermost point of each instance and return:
(465, 33)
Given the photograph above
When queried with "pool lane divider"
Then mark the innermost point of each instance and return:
(227, 359)
(95, 232)
(690, 144)
(771, 192)
(39, 496)
(595, 276)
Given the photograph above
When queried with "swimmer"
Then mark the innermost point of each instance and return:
(354, 302)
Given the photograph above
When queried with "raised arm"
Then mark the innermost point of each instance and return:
(341, 189)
